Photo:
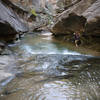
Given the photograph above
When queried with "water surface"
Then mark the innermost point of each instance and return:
(49, 70)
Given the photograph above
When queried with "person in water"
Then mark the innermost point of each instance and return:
(77, 39)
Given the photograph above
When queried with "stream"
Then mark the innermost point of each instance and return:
(48, 69)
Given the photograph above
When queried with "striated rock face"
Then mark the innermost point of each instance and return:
(93, 19)
(14, 13)
(37, 13)
(80, 15)
(10, 22)
(69, 25)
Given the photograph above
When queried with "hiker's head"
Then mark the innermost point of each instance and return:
(77, 32)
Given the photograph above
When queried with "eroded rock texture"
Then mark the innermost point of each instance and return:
(70, 24)
(93, 19)
(10, 22)
(79, 15)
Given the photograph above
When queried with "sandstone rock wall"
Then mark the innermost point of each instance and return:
(93, 19)
(87, 13)
(10, 22)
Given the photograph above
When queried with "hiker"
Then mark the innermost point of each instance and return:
(77, 38)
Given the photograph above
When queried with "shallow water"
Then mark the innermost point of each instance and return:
(48, 70)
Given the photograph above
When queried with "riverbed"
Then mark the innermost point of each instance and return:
(49, 69)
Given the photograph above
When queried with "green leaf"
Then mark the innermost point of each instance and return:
(33, 12)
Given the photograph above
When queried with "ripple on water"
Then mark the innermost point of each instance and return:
(42, 44)
(54, 72)
(57, 90)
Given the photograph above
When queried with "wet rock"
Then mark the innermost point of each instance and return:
(2, 46)
(6, 64)
(10, 23)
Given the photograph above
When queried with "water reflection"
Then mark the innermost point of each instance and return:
(41, 44)
(56, 77)
(57, 90)
(47, 70)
